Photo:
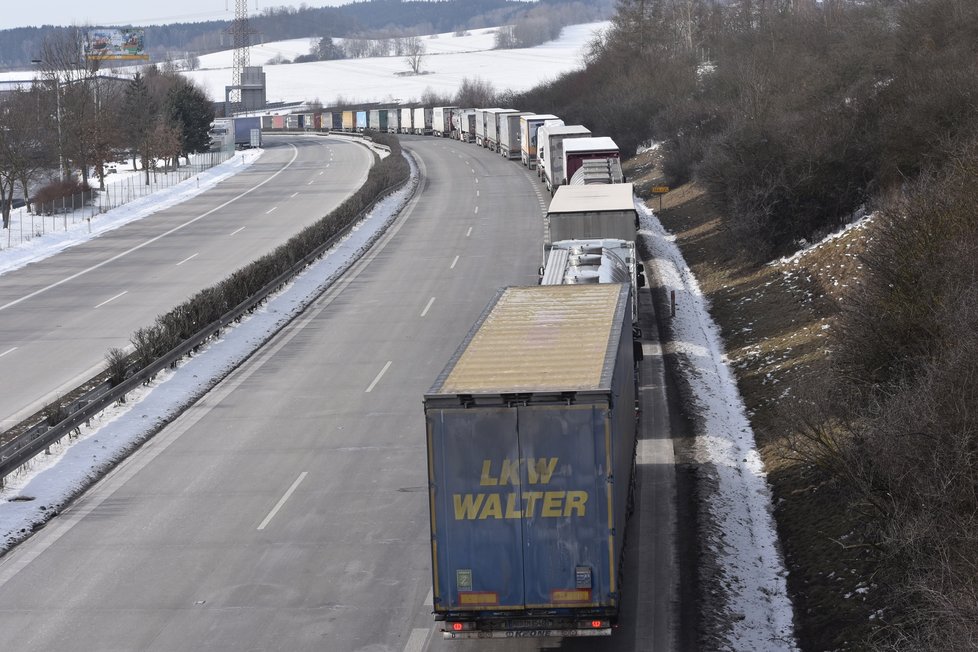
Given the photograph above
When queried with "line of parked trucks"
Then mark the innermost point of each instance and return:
(531, 426)
(561, 154)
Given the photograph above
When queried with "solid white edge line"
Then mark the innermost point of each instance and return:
(379, 376)
(430, 600)
(427, 307)
(453, 263)
(188, 258)
(112, 298)
(10, 350)
(237, 231)
(278, 505)
(416, 640)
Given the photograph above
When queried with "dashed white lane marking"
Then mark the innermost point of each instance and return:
(416, 641)
(293, 194)
(476, 210)
(112, 298)
(10, 350)
(237, 231)
(191, 257)
(281, 501)
(453, 263)
(469, 232)
(379, 376)
(476, 193)
(270, 210)
(427, 307)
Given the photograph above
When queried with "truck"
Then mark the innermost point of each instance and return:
(598, 170)
(441, 120)
(578, 150)
(531, 440)
(349, 121)
(422, 119)
(528, 136)
(377, 120)
(600, 260)
(463, 125)
(393, 121)
(550, 151)
(493, 119)
(593, 211)
(361, 121)
(509, 134)
(247, 131)
(542, 135)
(406, 125)
(482, 117)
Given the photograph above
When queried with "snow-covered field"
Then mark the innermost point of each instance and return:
(450, 59)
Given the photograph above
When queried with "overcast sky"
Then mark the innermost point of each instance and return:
(110, 13)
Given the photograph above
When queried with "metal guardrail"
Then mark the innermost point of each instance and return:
(39, 437)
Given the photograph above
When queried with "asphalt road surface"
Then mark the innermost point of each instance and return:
(287, 510)
(60, 316)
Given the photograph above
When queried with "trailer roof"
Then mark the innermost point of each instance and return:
(543, 117)
(568, 129)
(601, 143)
(540, 338)
(592, 198)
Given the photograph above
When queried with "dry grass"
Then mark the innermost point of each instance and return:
(775, 320)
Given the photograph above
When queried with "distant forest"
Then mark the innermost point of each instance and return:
(381, 17)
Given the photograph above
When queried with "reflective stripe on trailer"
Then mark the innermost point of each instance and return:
(527, 633)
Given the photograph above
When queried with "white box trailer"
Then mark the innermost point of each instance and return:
(463, 125)
(509, 134)
(481, 125)
(528, 136)
(592, 211)
(550, 152)
(543, 133)
(422, 121)
(441, 120)
(406, 124)
(493, 120)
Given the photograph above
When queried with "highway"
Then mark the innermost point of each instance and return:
(287, 510)
(60, 316)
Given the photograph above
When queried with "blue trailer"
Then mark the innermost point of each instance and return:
(247, 131)
(531, 441)
(361, 121)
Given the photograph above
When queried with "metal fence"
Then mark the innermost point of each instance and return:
(120, 189)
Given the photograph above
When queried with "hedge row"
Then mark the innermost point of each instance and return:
(209, 305)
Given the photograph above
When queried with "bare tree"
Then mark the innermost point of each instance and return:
(24, 147)
(414, 53)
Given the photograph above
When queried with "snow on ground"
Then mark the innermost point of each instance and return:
(41, 489)
(450, 59)
(34, 237)
(382, 79)
(743, 535)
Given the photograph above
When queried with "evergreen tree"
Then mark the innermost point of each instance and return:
(188, 108)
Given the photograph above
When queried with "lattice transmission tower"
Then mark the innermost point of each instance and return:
(241, 37)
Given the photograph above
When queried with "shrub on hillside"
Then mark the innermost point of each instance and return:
(908, 352)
